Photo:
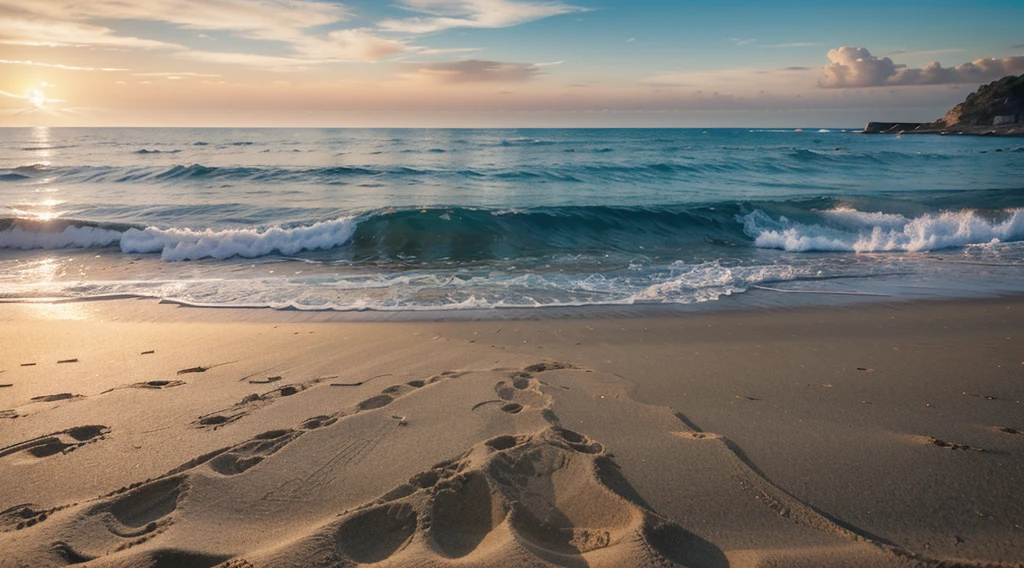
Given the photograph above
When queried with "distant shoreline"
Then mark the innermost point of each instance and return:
(1009, 130)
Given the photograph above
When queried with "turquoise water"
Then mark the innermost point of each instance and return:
(453, 219)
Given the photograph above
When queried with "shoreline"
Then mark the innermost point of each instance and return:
(868, 434)
(757, 299)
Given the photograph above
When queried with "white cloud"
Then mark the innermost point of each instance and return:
(446, 14)
(856, 67)
(349, 45)
(977, 71)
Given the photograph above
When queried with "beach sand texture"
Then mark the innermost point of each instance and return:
(134, 433)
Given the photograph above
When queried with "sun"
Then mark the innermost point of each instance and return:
(36, 97)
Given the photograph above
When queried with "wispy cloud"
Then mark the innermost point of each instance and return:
(856, 67)
(444, 51)
(479, 71)
(57, 65)
(268, 62)
(739, 42)
(259, 19)
(442, 15)
(793, 44)
(19, 29)
(910, 53)
(170, 74)
(292, 22)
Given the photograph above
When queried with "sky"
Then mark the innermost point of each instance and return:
(498, 63)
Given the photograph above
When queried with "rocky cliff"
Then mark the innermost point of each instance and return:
(994, 109)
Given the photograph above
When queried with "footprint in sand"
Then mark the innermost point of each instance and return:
(55, 397)
(247, 454)
(373, 402)
(376, 534)
(499, 504)
(548, 366)
(23, 516)
(512, 408)
(318, 422)
(522, 391)
(939, 443)
(157, 384)
(142, 510)
(58, 442)
(250, 403)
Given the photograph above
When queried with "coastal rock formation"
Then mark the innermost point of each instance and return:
(994, 109)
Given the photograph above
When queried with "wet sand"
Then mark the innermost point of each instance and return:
(134, 433)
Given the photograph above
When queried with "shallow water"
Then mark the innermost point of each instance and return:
(405, 220)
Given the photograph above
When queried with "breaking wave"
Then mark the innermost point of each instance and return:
(849, 230)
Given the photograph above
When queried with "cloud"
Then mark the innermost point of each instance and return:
(349, 45)
(856, 67)
(21, 30)
(258, 19)
(741, 42)
(179, 75)
(631, 40)
(794, 44)
(1018, 46)
(907, 52)
(71, 23)
(269, 62)
(446, 51)
(447, 14)
(478, 71)
(57, 65)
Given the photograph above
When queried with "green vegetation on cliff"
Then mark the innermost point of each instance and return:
(1003, 99)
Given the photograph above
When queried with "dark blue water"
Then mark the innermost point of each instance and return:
(448, 219)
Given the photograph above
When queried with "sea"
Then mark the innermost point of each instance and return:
(479, 221)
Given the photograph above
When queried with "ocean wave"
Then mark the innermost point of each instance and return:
(70, 236)
(178, 244)
(187, 244)
(849, 230)
(460, 234)
(669, 169)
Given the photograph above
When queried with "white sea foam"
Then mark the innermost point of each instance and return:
(856, 231)
(70, 237)
(188, 244)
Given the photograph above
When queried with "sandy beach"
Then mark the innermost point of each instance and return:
(134, 433)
